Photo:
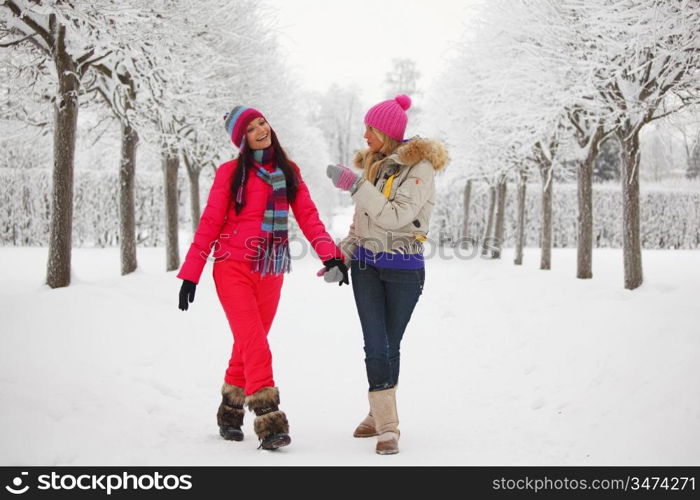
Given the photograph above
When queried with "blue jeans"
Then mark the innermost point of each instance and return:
(385, 300)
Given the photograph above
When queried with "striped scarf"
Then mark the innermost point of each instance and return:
(273, 255)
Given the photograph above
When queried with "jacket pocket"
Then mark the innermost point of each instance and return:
(407, 276)
(363, 224)
(229, 231)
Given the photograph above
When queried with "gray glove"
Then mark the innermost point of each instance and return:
(334, 271)
(344, 178)
(333, 275)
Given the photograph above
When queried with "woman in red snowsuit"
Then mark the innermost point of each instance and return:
(245, 222)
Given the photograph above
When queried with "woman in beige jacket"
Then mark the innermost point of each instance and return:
(394, 194)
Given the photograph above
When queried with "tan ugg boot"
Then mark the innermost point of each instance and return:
(270, 424)
(366, 427)
(386, 419)
(230, 413)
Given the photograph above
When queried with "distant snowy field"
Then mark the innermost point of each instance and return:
(501, 365)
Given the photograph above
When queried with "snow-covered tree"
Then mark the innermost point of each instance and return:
(686, 127)
(404, 78)
(73, 37)
(547, 76)
(339, 115)
(645, 52)
(693, 171)
(117, 79)
(25, 106)
(504, 104)
(606, 166)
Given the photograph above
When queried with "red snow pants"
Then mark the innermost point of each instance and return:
(250, 303)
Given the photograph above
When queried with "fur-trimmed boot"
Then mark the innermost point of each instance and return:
(366, 428)
(230, 414)
(386, 419)
(270, 424)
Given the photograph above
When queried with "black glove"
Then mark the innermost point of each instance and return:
(186, 294)
(331, 263)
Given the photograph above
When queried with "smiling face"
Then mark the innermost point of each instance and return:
(373, 141)
(258, 134)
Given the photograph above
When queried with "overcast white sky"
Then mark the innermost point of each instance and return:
(354, 41)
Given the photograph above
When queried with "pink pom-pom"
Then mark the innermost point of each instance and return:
(404, 101)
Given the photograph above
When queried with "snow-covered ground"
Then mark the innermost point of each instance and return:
(501, 365)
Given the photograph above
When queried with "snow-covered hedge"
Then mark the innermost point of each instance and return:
(25, 202)
(670, 218)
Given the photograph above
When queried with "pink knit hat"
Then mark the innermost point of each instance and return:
(237, 120)
(390, 116)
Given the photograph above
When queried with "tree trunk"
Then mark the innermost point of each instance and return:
(127, 213)
(58, 268)
(465, 213)
(194, 199)
(485, 245)
(500, 219)
(520, 231)
(631, 242)
(546, 234)
(193, 174)
(584, 244)
(171, 164)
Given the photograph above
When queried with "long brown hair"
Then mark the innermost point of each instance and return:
(245, 161)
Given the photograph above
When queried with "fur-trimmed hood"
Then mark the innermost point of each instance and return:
(415, 150)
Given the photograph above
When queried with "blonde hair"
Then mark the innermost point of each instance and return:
(373, 160)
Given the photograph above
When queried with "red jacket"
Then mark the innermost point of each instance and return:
(228, 232)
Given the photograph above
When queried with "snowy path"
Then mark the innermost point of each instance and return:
(501, 365)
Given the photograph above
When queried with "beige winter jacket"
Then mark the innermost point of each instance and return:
(399, 222)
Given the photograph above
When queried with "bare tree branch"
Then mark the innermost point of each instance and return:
(26, 19)
(17, 42)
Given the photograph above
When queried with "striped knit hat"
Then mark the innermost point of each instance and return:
(390, 116)
(236, 122)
